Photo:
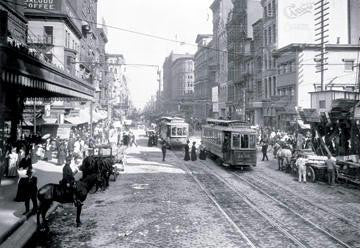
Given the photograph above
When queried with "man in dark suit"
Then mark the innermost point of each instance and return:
(31, 191)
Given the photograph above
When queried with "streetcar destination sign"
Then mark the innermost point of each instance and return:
(42, 4)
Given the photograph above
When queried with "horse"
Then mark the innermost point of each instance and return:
(102, 166)
(55, 192)
(283, 153)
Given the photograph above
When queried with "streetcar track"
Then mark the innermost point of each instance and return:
(293, 211)
(245, 199)
(319, 206)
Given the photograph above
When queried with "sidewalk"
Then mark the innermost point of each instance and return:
(11, 217)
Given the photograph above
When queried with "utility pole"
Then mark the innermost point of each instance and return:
(321, 36)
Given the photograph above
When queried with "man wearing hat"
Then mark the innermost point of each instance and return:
(30, 186)
(68, 180)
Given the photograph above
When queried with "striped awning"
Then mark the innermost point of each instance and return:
(26, 81)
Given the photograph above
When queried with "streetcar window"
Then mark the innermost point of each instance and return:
(184, 131)
(173, 131)
(245, 141)
(179, 131)
(252, 141)
(236, 140)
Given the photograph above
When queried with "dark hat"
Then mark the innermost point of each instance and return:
(68, 159)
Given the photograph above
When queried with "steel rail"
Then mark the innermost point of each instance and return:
(291, 210)
(208, 194)
(319, 206)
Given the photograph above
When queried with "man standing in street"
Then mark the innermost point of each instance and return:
(301, 163)
(330, 165)
(31, 191)
(163, 149)
(264, 147)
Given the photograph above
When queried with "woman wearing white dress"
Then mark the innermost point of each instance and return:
(13, 161)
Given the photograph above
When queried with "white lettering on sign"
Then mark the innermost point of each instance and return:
(293, 10)
(40, 4)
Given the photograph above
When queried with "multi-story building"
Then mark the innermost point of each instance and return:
(290, 22)
(172, 92)
(183, 84)
(29, 72)
(203, 82)
(221, 9)
(71, 44)
(254, 108)
(118, 88)
(239, 44)
(299, 84)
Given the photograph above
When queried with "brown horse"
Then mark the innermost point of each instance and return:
(55, 192)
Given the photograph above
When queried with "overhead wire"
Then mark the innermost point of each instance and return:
(163, 38)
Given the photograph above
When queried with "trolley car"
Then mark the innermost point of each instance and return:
(173, 130)
(230, 142)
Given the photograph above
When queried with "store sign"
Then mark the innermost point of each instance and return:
(43, 4)
(296, 22)
(63, 132)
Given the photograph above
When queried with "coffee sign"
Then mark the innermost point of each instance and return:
(42, 4)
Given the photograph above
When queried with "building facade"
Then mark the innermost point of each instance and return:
(118, 88)
(299, 83)
(177, 87)
(240, 52)
(221, 9)
(27, 71)
(203, 81)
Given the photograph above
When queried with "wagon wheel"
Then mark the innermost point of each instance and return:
(310, 174)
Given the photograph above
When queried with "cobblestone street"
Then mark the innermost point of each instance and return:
(199, 204)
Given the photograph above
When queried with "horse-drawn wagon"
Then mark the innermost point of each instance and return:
(108, 156)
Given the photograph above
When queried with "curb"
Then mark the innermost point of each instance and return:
(23, 230)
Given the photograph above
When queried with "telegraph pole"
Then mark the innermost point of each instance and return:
(321, 36)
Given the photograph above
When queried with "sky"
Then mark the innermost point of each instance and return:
(178, 20)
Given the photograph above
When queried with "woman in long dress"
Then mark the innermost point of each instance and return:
(187, 153)
(13, 161)
(202, 153)
(193, 152)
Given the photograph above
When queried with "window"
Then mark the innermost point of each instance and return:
(265, 11)
(322, 104)
(274, 33)
(349, 65)
(292, 91)
(236, 140)
(269, 10)
(270, 34)
(173, 131)
(179, 131)
(245, 141)
(274, 85)
(265, 37)
(252, 141)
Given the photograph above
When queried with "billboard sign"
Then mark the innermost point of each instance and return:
(295, 22)
(43, 4)
(215, 94)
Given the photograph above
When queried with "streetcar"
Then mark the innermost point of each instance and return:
(173, 130)
(230, 142)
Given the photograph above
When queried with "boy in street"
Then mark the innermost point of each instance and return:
(301, 163)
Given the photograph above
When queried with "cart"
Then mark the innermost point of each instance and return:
(106, 152)
(315, 165)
